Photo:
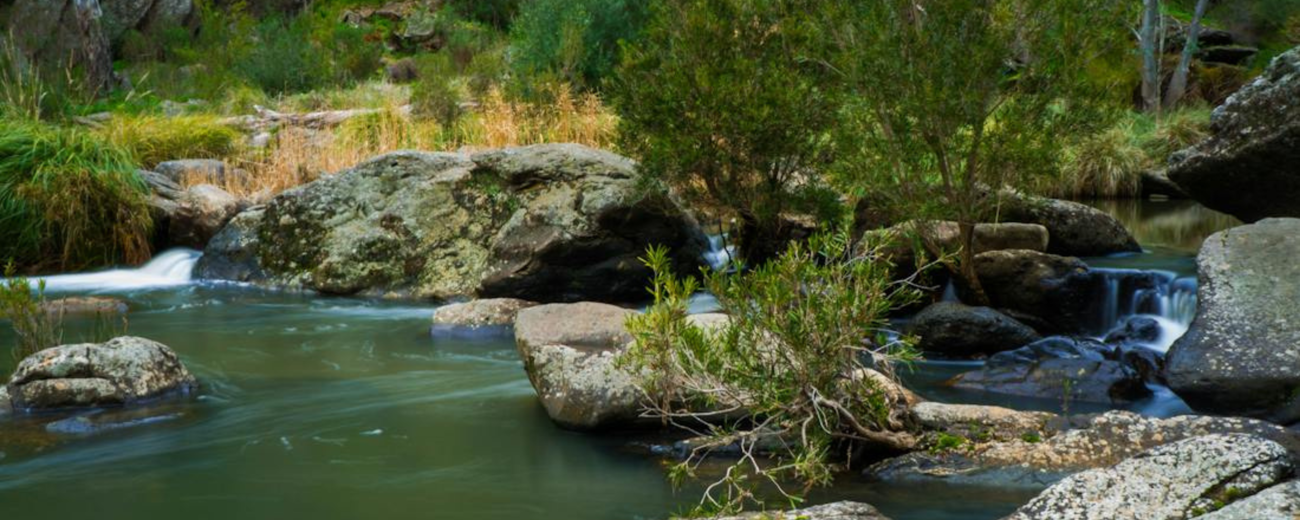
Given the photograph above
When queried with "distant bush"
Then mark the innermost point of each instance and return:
(285, 60)
(69, 199)
(152, 140)
(577, 39)
(355, 57)
(437, 94)
(498, 13)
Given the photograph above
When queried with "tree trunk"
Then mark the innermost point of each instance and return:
(1150, 55)
(968, 274)
(1178, 85)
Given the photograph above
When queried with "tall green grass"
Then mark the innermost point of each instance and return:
(69, 199)
(152, 139)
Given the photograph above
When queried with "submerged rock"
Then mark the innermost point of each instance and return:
(544, 223)
(1242, 353)
(955, 330)
(1280, 502)
(85, 306)
(1172, 482)
(835, 511)
(570, 353)
(123, 371)
(479, 314)
(1247, 168)
(1065, 446)
(1060, 368)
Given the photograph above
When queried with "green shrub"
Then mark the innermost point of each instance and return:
(355, 58)
(21, 304)
(437, 94)
(577, 39)
(285, 59)
(69, 199)
(804, 329)
(152, 139)
(498, 13)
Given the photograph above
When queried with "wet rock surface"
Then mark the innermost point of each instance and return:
(954, 330)
(1075, 229)
(1074, 370)
(1241, 355)
(543, 223)
(85, 306)
(1172, 482)
(489, 315)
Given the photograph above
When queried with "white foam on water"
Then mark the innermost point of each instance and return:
(172, 268)
(720, 253)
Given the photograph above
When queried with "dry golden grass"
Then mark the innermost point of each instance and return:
(297, 156)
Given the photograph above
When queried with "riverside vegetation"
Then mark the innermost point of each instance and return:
(880, 169)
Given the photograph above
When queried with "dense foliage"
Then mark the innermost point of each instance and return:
(799, 357)
(576, 40)
(723, 101)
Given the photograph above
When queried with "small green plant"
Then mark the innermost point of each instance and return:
(1031, 437)
(804, 354)
(152, 139)
(37, 328)
(947, 442)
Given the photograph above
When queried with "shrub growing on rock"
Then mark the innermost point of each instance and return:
(798, 355)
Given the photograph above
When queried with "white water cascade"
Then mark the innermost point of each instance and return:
(720, 253)
(172, 268)
(1160, 295)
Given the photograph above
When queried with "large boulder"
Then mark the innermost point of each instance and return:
(123, 371)
(990, 237)
(544, 223)
(570, 353)
(1173, 482)
(1248, 166)
(954, 330)
(201, 212)
(147, 16)
(1075, 229)
(1280, 502)
(55, 35)
(1045, 449)
(1242, 353)
(834, 511)
(1060, 368)
(1059, 291)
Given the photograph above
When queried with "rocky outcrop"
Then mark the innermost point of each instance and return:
(1075, 229)
(1059, 368)
(835, 511)
(1280, 502)
(543, 223)
(1181, 480)
(1247, 168)
(954, 330)
(1063, 446)
(198, 170)
(146, 16)
(123, 371)
(1242, 353)
(570, 353)
(56, 35)
(201, 212)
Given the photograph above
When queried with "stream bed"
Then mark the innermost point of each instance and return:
(342, 408)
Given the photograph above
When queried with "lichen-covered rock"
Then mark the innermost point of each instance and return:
(145, 16)
(543, 223)
(197, 170)
(1172, 482)
(954, 330)
(834, 511)
(1280, 502)
(201, 212)
(122, 371)
(1065, 446)
(62, 35)
(1248, 166)
(476, 314)
(570, 353)
(1075, 229)
(1241, 355)
(991, 237)
(981, 422)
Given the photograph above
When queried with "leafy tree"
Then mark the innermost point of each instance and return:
(577, 40)
(721, 101)
(954, 99)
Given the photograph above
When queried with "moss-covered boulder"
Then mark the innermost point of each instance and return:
(545, 223)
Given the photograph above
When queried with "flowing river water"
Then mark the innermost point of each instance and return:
(340, 408)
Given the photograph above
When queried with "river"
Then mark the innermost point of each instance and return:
(342, 408)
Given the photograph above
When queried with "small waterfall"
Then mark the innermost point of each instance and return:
(1161, 295)
(721, 253)
(172, 268)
